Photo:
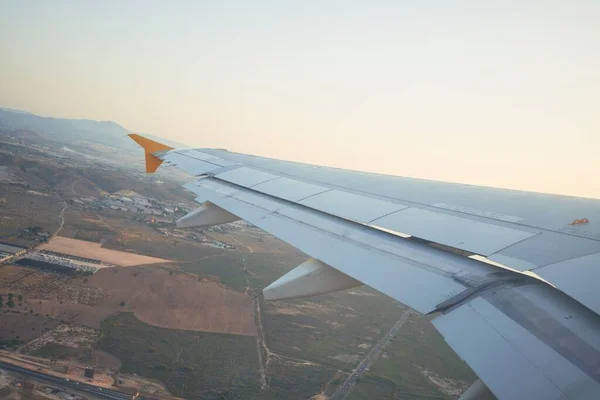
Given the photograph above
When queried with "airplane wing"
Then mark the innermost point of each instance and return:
(529, 331)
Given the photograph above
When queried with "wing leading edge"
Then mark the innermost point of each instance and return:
(510, 328)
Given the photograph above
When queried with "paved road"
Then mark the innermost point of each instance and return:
(83, 387)
(366, 362)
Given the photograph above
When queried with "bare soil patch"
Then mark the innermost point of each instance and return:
(157, 295)
(451, 387)
(168, 299)
(105, 360)
(68, 335)
(10, 274)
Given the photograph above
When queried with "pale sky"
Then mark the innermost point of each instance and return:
(497, 93)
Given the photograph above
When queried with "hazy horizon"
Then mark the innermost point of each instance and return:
(500, 94)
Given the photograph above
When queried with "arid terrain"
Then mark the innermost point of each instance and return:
(172, 311)
(83, 248)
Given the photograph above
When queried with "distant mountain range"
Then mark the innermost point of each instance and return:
(107, 133)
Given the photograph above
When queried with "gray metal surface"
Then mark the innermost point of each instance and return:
(579, 278)
(351, 206)
(524, 338)
(311, 278)
(198, 155)
(474, 236)
(246, 176)
(547, 248)
(206, 215)
(289, 189)
(522, 230)
(478, 391)
(526, 342)
(537, 210)
(189, 165)
(412, 273)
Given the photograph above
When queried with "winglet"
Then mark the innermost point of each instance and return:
(150, 146)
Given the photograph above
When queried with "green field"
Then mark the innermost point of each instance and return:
(330, 326)
(59, 352)
(227, 268)
(370, 388)
(419, 351)
(266, 268)
(204, 365)
(197, 365)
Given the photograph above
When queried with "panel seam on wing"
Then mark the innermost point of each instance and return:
(515, 225)
(567, 260)
(259, 183)
(363, 226)
(199, 159)
(493, 327)
(360, 227)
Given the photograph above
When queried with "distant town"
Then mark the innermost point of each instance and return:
(130, 201)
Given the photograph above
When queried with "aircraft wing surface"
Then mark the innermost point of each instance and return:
(429, 245)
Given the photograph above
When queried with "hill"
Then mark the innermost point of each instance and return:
(107, 133)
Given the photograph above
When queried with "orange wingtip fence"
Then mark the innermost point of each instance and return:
(580, 221)
(150, 146)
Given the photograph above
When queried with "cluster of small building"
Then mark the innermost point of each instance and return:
(195, 236)
(130, 201)
(35, 234)
(64, 261)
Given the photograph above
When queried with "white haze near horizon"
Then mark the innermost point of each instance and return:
(498, 93)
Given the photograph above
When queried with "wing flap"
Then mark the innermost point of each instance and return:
(545, 249)
(525, 231)
(524, 338)
(524, 343)
(465, 233)
(577, 277)
(415, 274)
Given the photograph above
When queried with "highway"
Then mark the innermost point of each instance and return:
(79, 386)
(366, 362)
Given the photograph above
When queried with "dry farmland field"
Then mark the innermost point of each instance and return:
(82, 248)
(180, 312)
(157, 295)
